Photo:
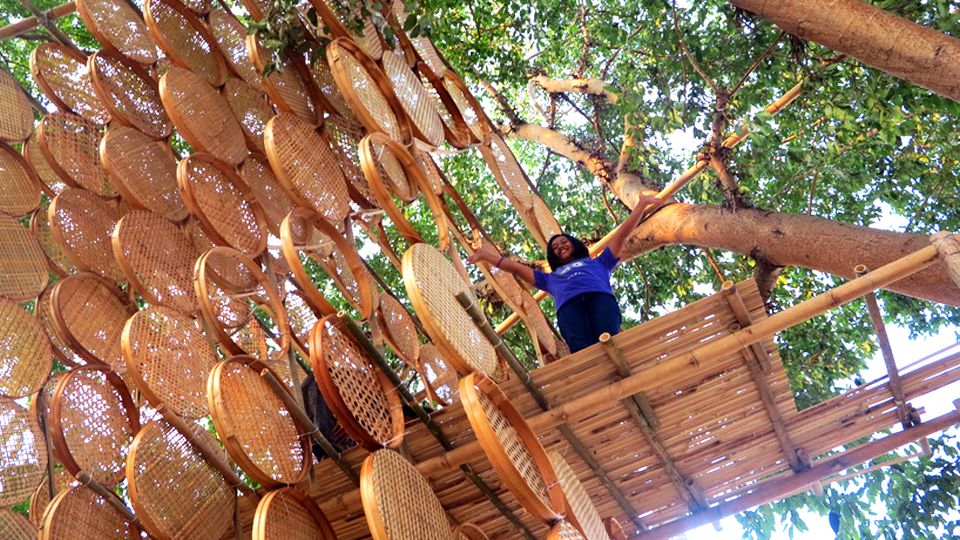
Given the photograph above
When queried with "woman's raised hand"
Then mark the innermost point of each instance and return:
(484, 253)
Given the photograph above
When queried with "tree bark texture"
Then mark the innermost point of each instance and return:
(793, 240)
(877, 38)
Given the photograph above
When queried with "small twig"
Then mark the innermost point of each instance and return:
(546, 165)
(690, 58)
(606, 203)
(508, 110)
(756, 63)
(813, 191)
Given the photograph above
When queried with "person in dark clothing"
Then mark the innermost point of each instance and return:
(579, 284)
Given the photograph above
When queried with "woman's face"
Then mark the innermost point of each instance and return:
(562, 248)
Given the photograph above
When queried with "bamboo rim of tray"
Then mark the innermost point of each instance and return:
(27, 355)
(219, 73)
(336, 399)
(130, 411)
(224, 422)
(614, 529)
(189, 193)
(68, 335)
(92, 506)
(106, 94)
(93, 115)
(135, 26)
(471, 387)
(265, 190)
(94, 254)
(366, 300)
(412, 170)
(469, 531)
(23, 184)
(50, 181)
(344, 136)
(276, 503)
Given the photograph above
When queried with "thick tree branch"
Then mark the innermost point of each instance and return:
(594, 87)
(505, 106)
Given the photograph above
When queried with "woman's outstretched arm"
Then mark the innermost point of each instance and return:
(487, 253)
(623, 231)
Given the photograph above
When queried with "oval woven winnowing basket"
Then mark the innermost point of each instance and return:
(330, 96)
(231, 37)
(290, 514)
(62, 351)
(508, 173)
(93, 420)
(57, 260)
(398, 501)
(267, 191)
(81, 224)
(16, 114)
(455, 128)
(470, 109)
(62, 75)
(184, 38)
(25, 354)
(143, 170)
(443, 385)
(432, 285)
(23, 454)
(50, 181)
(80, 512)
(469, 531)
(174, 491)
(367, 91)
(344, 136)
(21, 187)
(231, 311)
(285, 87)
(545, 219)
(71, 146)
(41, 497)
(304, 234)
(89, 313)
(361, 396)
(22, 262)
(251, 108)
(130, 94)
(306, 166)
(420, 106)
(200, 7)
(566, 531)
(202, 116)
(219, 199)
(512, 448)
(301, 318)
(255, 426)
(168, 360)
(614, 529)
(399, 329)
(434, 174)
(14, 526)
(581, 511)
(119, 28)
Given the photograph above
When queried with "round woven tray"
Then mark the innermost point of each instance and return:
(22, 262)
(361, 396)
(512, 448)
(443, 385)
(82, 513)
(231, 37)
(175, 492)
(92, 422)
(41, 497)
(143, 170)
(398, 501)
(16, 114)
(119, 28)
(232, 311)
(432, 285)
(255, 426)
(14, 526)
(21, 187)
(344, 136)
(89, 313)
(581, 511)
(304, 234)
(219, 199)
(289, 514)
(306, 166)
(62, 351)
(25, 354)
(455, 128)
(614, 529)
(301, 318)
(284, 85)
(81, 224)
(129, 93)
(469, 531)
(507, 171)
(71, 146)
(186, 41)
(267, 191)
(330, 96)
(62, 75)
(399, 329)
(419, 105)
(567, 531)
(168, 360)
(23, 454)
(50, 181)
(251, 108)
(202, 115)
(367, 91)
(469, 108)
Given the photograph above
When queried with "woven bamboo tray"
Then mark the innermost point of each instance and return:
(119, 28)
(231, 37)
(71, 145)
(399, 329)
(330, 96)
(143, 171)
(23, 454)
(81, 224)
(251, 108)
(285, 86)
(89, 313)
(25, 355)
(63, 76)
(41, 497)
(344, 136)
(82, 513)
(184, 38)
(129, 92)
(21, 192)
(22, 262)
(566, 531)
(232, 310)
(443, 385)
(469, 107)
(418, 104)
(13, 526)
(289, 514)
(16, 114)
(50, 181)
(266, 190)
(580, 512)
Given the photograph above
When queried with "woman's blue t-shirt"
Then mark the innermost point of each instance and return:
(580, 276)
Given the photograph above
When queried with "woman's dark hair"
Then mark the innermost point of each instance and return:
(579, 250)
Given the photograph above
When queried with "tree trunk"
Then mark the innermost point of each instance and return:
(877, 38)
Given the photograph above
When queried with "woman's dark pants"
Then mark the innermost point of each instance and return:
(584, 317)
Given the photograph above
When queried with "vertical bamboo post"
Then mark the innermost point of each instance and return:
(42, 413)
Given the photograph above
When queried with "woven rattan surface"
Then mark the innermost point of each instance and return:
(367, 90)
(169, 359)
(71, 146)
(63, 352)
(41, 496)
(25, 355)
(583, 514)
(14, 526)
(256, 428)
(93, 421)
(266, 189)
(157, 259)
(344, 136)
(89, 314)
(118, 27)
(323, 78)
(508, 172)
(548, 224)
(23, 453)
(399, 329)
(63, 76)
(417, 102)
(306, 166)
(467, 105)
(21, 187)
(175, 492)
(469, 531)
(389, 170)
(231, 37)
(566, 531)
(185, 40)
(82, 224)
(398, 501)
(216, 195)
(81, 513)
(251, 108)
(50, 181)
(143, 170)
(429, 55)
(22, 263)
(284, 85)
(129, 93)
(57, 261)
(230, 311)
(359, 394)
(432, 284)
(301, 318)
(202, 116)
(289, 514)
(200, 7)
(512, 448)
(434, 175)
(442, 382)
(16, 114)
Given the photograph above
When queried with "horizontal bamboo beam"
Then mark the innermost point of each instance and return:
(15, 29)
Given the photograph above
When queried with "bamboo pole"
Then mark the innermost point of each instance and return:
(15, 29)
(44, 21)
(42, 414)
(87, 481)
